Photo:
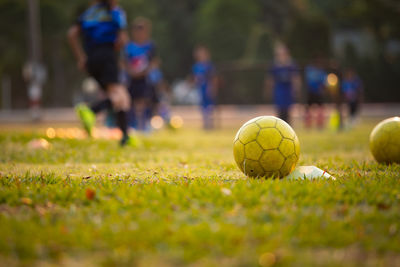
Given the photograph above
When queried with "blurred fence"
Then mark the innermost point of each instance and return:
(242, 84)
(226, 115)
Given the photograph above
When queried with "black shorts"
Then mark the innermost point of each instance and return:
(102, 65)
(314, 99)
(140, 89)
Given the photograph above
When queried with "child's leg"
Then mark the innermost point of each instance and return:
(308, 111)
(120, 100)
(353, 109)
(308, 116)
(139, 107)
(208, 112)
(122, 122)
(320, 116)
(211, 117)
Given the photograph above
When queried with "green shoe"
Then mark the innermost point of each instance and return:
(87, 117)
(131, 141)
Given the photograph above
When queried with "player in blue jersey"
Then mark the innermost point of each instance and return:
(139, 55)
(204, 77)
(315, 81)
(284, 80)
(101, 29)
(352, 90)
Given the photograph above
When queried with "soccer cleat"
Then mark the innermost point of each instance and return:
(125, 140)
(131, 141)
(87, 117)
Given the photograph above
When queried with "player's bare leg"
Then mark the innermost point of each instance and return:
(121, 103)
(320, 117)
(308, 117)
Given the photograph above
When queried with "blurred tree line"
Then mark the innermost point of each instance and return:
(240, 34)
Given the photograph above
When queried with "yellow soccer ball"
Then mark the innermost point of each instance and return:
(384, 141)
(266, 146)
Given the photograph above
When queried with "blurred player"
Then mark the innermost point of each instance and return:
(160, 103)
(284, 80)
(315, 80)
(352, 89)
(139, 55)
(205, 80)
(101, 28)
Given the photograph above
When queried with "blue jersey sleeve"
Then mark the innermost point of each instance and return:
(100, 25)
(119, 18)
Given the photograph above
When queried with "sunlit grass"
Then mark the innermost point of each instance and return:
(179, 199)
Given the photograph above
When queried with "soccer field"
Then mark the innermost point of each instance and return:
(181, 200)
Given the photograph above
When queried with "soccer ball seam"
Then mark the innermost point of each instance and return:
(244, 127)
(260, 118)
(294, 147)
(249, 144)
(277, 131)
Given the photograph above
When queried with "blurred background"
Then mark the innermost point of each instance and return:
(363, 34)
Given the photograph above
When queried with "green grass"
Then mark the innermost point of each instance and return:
(180, 200)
